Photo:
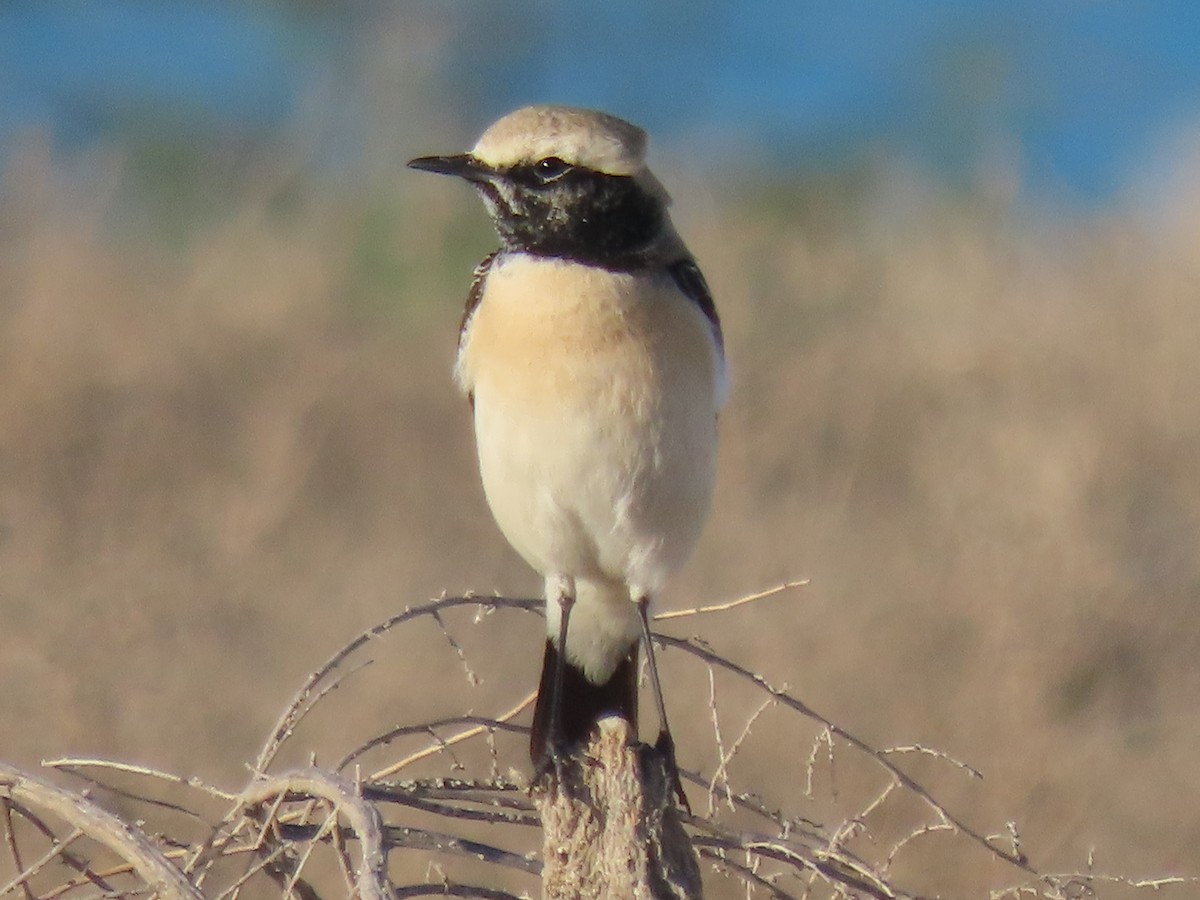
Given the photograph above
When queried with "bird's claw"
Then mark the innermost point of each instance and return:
(665, 747)
(557, 760)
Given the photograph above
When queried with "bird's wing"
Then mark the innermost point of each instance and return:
(690, 281)
(478, 279)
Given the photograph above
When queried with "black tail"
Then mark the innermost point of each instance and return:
(582, 703)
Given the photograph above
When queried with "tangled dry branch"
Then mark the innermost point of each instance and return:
(310, 831)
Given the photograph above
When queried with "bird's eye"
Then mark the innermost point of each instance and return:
(550, 169)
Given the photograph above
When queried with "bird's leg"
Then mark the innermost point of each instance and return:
(665, 743)
(556, 753)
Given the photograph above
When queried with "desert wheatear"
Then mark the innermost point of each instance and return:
(591, 353)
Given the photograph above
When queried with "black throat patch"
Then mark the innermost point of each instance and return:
(609, 221)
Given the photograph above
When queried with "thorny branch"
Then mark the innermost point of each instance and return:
(86, 818)
(314, 830)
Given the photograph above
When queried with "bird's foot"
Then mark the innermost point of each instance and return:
(557, 760)
(665, 747)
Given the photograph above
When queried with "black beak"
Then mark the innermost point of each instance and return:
(464, 165)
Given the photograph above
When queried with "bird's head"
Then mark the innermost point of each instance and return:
(560, 181)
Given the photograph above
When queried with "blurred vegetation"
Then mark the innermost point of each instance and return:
(229, 440)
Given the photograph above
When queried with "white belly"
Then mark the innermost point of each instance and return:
(595, 418)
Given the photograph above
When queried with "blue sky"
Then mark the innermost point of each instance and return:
(1082, 93)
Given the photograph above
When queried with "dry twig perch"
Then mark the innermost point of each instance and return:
(616, 832)
(319, 832)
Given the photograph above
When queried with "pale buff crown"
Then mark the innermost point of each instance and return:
(581, 137)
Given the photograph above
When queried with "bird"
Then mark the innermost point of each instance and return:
(592, 355)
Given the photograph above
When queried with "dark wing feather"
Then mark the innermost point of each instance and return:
(478, 279)
(690, 280)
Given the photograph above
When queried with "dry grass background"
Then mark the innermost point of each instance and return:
(224, 452)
